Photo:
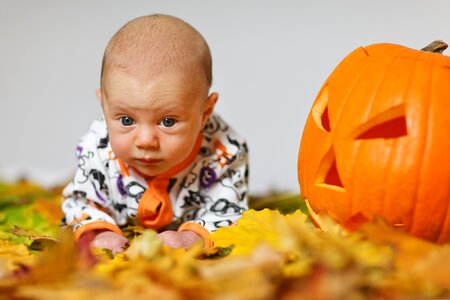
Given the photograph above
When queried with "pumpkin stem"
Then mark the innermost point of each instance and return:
(436, 47)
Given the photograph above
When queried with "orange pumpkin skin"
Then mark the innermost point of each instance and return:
(377, 141)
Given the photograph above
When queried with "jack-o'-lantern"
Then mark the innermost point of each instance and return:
(377, 140)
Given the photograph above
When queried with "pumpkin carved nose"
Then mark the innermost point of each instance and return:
(328, 175)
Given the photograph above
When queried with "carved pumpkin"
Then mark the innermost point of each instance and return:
(377, 141)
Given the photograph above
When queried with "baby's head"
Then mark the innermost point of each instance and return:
(150, 45)
(155, 82)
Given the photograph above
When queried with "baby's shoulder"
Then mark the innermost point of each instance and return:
(217, 128)
(221, 140)
(96, 138)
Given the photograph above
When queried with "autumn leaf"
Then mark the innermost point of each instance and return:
(145, 246)
(259, 227)
(271, 256)
(49, 208)
(13, 256)
(415, 256)
(30, 207)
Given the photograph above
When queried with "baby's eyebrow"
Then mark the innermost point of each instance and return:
(121, 106)
(115, 107)
(171, 108)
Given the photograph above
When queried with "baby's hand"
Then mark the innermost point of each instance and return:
(179, 239)
(110, 240)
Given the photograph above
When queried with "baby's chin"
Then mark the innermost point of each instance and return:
(150, 170)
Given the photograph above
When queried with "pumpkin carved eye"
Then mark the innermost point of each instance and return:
(328, 174)
(320, 110)
(387, 125)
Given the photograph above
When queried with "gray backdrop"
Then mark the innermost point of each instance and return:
(270, 59)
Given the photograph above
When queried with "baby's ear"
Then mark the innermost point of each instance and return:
(98, 92)
(209, 107)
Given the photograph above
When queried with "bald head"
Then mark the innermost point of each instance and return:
(155, 44)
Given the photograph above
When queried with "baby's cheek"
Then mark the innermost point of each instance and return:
(121, 146)
(178, 148)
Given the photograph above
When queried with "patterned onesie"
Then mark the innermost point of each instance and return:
(206, 191)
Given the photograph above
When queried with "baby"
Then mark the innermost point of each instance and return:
(158, 157)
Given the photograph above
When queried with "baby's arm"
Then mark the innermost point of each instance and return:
(92, 225)
(87, 206)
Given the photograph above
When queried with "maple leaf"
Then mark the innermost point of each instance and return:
(258, 227)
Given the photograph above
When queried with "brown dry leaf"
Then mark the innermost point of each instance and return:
(39, 242)
(24, 232)
(31, 234)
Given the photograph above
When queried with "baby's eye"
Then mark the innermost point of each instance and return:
(167, 122)
(126, 121)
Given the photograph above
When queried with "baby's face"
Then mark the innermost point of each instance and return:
(153, 124)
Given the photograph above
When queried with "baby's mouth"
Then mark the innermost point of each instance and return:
(148, 161)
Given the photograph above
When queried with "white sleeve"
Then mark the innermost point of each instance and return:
(86, 198)
(226, 198)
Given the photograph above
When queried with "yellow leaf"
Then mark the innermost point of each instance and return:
(12, 256)
(145, 246)
(260, 227)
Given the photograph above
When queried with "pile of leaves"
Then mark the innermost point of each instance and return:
(272, 253)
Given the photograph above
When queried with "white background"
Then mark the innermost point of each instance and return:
(270, 60)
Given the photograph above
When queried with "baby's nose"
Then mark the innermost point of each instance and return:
(147, 138)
